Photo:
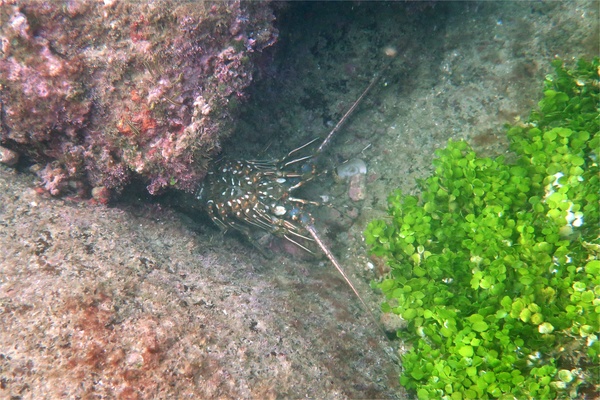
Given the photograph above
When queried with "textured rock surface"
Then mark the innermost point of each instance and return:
(8, 156)
(126, 303)
(115, 89)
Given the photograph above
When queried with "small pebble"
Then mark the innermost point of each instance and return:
(358, 187)
(8, 157)
(390, 51)
(353, 167)
(101, 194)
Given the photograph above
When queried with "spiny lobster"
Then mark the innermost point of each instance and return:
(248, 195)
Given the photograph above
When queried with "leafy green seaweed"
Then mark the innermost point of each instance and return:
(495, 267)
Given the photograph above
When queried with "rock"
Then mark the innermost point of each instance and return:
(115, 88)
(8, 156)
(353, 167)
(358, 187)
(127, 297)
(101, 195)
(354, 171)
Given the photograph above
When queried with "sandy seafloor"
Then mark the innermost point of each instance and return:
(139, 300)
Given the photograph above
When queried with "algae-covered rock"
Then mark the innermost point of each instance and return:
(109, 90)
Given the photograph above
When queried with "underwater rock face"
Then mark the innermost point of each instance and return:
(106, 90)
(99, 303)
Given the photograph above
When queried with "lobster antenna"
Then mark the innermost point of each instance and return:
(313, 232)
(345, 117)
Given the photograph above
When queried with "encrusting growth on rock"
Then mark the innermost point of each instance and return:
(105, 91)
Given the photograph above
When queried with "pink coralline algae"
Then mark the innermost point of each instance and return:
(100, 92)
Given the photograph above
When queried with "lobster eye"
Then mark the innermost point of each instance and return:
(294, 213)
